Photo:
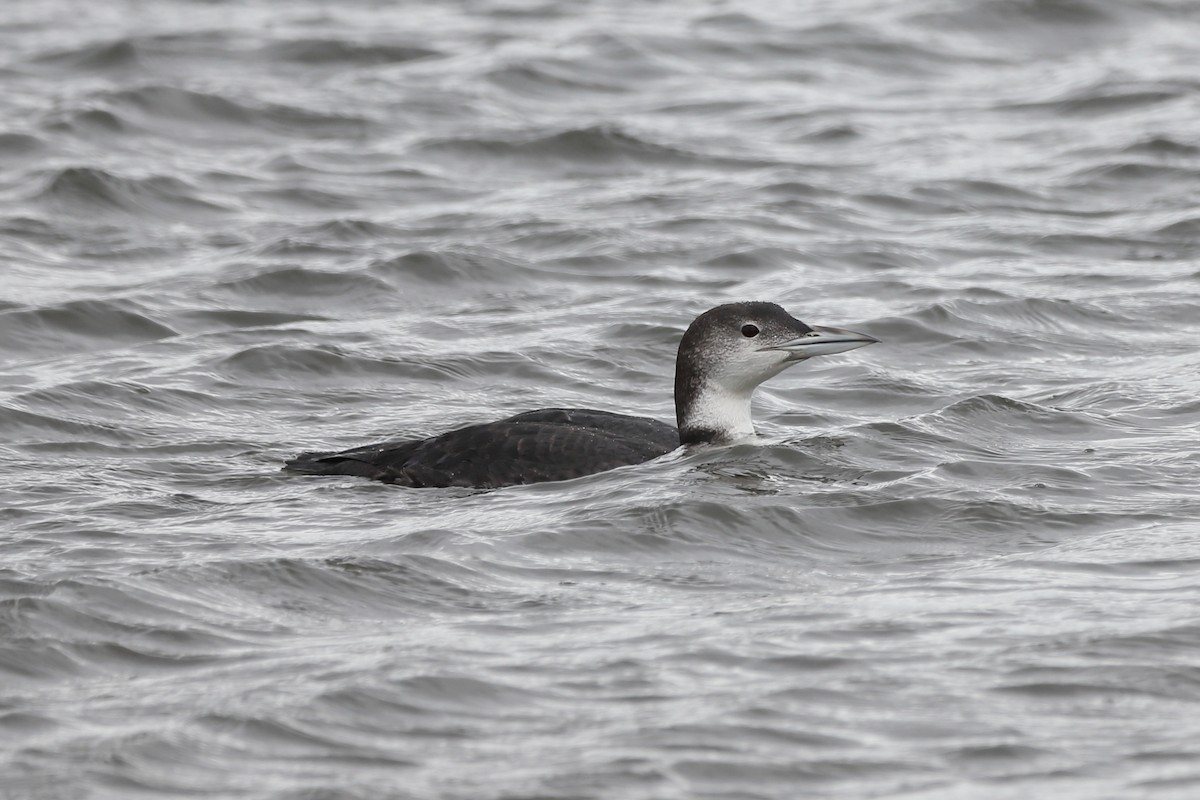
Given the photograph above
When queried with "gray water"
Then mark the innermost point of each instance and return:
(962, 563)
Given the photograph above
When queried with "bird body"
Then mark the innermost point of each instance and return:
(544, 445)
(724, 355)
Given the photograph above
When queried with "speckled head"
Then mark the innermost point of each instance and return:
(728, 351)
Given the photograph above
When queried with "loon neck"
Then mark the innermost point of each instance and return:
(713, 414)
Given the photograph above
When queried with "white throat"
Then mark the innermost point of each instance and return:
(723, 411)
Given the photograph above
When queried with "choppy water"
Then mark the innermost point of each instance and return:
(963, 564)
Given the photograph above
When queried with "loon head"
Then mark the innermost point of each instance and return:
(728, 351)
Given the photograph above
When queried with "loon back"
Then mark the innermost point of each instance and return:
(550, 444)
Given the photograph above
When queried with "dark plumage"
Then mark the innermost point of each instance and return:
(725, 353)
(551, 444)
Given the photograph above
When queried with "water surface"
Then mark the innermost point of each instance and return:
(961, 564)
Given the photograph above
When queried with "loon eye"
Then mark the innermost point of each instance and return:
(749, 331)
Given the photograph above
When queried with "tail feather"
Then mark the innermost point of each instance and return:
(373, 461)
(329, 463)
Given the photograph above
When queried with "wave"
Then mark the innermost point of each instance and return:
(20, 145)
(599, 149)
(194, 116)
(324, 52)
(78, 326)
(88, 191)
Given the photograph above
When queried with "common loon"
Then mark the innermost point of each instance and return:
(725, 354)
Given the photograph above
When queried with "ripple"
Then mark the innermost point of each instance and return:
(191, 115)
(20, 145)
(598, 149)
(1025, 324)
(289, 363)
(1047, 26)
(367, 587)
(552, 79)
(114, 55)
(78, 326)
(105, 404)
(324, 52)
(447, 267)
(304, 288)
(172, 105)
(1162, 147)
(88, 191)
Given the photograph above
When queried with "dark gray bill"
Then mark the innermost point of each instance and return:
(822, 341)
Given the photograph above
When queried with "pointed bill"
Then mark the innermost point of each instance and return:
(823, 341)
